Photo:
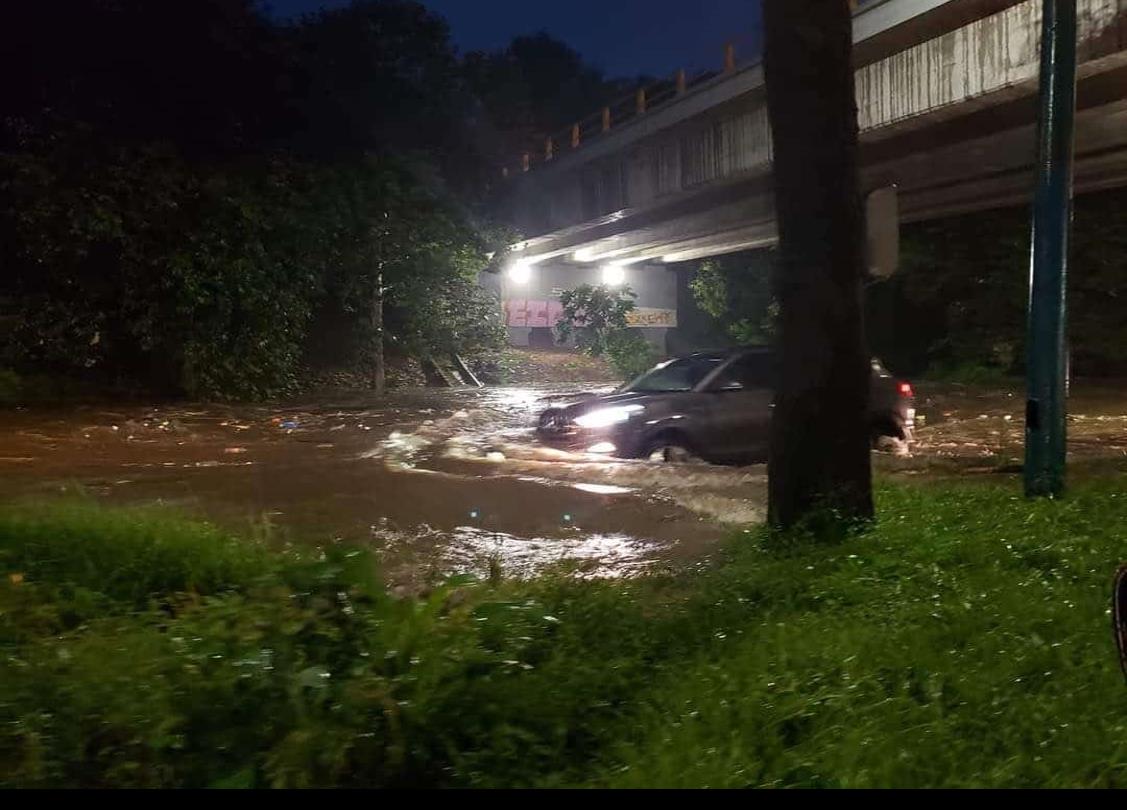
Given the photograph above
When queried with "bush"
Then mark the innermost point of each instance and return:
(960, 296)
(202, 281)
(150, 270)
(630, 353)
(592, 313)
(737, 291)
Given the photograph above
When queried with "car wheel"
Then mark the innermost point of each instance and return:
(552, 421)
(669, 450)
(896, 442)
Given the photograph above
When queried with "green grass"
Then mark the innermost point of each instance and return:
(962, 641)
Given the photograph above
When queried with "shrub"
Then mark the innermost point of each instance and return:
(593, 312)
(630, 353)
(961, 641)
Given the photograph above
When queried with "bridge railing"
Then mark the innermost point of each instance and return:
(738, 52)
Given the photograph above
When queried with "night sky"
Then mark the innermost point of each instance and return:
(623, 37)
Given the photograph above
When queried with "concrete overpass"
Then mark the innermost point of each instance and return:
(946, 98)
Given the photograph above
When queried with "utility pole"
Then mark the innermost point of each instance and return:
(1046, 366)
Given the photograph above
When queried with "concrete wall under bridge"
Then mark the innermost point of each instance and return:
(946, 94)
(530, 301)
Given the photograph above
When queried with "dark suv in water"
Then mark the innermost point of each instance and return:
(711, 405)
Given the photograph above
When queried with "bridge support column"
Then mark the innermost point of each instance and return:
(1047, 365)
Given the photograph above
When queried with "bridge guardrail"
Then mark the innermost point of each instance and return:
(738, 52)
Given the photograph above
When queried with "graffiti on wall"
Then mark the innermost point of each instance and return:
(545, 312)
(531, 312)
(651, 316)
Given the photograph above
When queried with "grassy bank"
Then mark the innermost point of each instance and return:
(963, 641)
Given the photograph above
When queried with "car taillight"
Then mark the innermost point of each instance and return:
(905, 389)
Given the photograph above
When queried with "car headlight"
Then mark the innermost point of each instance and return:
(604, 417)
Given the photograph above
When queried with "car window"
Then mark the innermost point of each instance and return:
(676, 375)
(751, 371)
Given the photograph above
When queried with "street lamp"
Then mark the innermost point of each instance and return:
(520, 271)
(613, 275)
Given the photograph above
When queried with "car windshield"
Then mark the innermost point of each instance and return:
(676, 375)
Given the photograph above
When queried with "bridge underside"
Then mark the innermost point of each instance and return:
(974, 156)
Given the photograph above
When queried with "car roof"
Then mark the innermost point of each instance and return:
(723, 354)
(732, 351)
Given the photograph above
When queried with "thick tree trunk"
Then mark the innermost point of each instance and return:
(378, 373)
(819, 456)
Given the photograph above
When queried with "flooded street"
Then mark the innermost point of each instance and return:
(444, 481)
(437, 481)
(981, 429)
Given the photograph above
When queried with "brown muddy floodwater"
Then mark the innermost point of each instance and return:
(446, 481)
(436, 481)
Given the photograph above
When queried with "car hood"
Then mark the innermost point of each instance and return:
(611, 400)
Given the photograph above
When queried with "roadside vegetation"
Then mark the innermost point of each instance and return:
(956, 308)
(203, 200)
(595, 317)
(961, 641)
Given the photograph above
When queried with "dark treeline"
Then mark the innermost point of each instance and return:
(956, 307)
(200, 200)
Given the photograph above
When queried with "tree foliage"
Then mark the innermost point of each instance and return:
(595, 316)
(737, 290)
(534, 87)
(186, 184)
(959, 300)
(396, 226)
(198, 198)
(145, 269)
(593, 312)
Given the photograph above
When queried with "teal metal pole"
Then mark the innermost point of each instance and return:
(1046, 366)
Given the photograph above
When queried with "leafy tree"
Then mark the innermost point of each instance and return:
(592, 312)
(595, 315)
(958, 301)
(736, 290)
(536, 86)
(376, 76)
(185, 184)
(405, 259)
(630, 353)
(143, 269)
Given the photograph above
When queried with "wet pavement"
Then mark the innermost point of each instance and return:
(445, 481)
